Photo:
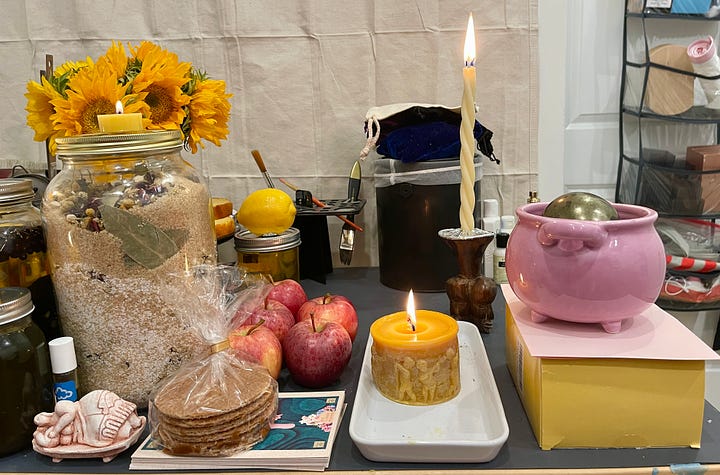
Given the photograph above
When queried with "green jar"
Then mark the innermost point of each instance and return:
(24, 370)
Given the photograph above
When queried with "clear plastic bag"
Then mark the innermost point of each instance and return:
(217, 404)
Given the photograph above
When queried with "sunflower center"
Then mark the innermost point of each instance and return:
(161, 104)
(88, 117)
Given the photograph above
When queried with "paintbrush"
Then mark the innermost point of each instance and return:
(261, 165)
(322, 205)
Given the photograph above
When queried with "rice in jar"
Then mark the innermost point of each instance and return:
(124, 213)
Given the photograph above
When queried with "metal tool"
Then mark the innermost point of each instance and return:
(347, 233)
(261, 165)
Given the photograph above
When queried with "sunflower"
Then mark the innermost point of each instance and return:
(208, 113)
(90, 92)
(160, 77)
(116, 60)
(168, 93)
(40, 108)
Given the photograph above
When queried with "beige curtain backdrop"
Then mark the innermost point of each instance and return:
(302, 73)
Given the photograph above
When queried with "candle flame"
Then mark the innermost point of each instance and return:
(119, 108)
(411, 310)
(470, 43)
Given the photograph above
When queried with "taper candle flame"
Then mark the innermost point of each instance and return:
(470, 43)
(119, 108)
(411, 310)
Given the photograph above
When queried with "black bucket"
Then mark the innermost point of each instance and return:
(412, 255)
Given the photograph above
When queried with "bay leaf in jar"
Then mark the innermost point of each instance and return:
(143, 242)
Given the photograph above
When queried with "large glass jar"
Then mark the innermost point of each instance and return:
(24, 370)
(124, 214)
(23, 261)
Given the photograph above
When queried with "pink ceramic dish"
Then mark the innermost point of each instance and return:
(586, 271)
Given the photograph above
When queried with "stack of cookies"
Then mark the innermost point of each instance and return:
(195, 415)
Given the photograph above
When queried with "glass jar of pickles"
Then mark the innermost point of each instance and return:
(274, 254)
(23, 260)
(124, 214)
(24, 370)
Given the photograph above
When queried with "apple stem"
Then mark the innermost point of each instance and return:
(254, 327)
(327, 298)
(312, 321)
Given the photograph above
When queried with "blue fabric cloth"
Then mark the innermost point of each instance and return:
(430, 141)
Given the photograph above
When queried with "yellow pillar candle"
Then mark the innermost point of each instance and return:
(120, 122)
(467, 139)
(416, 363)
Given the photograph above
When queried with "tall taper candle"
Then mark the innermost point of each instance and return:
(467, 139)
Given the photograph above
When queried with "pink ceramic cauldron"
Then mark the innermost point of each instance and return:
(586, 271)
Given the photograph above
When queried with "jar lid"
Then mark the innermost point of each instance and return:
(16, 190)
(15, 303)
(247, 241)
(90, 146)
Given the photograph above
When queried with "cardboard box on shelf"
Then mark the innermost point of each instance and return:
(582, 387)
(706, 158)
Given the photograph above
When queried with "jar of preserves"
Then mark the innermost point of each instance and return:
(24, 370)
(124, 214)
(23, 259)
(276, 255)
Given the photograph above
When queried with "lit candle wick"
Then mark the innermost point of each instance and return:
(411, 310)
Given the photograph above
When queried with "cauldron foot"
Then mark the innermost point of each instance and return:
(537, 317)
(612, 327)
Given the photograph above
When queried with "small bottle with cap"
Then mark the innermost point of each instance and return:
(64, 368)
(499, 272)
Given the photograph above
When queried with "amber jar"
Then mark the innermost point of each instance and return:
(24, 370)
(23, 259)
(124, 214)
(276, 255)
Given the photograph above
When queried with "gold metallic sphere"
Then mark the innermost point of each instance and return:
(580, 205)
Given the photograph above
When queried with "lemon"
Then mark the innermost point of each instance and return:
(266, 211)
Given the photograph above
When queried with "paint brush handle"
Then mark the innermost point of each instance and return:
(261, 165)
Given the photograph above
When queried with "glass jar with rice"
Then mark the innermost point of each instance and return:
(125, 212)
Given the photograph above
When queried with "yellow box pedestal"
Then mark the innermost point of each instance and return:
(605, 402)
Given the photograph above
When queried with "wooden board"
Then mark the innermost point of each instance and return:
(668, 92)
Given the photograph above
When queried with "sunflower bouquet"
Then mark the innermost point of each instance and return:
(150, 80)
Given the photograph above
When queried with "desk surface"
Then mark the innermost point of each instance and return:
(372, 300)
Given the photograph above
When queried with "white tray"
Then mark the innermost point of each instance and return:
(469, 428)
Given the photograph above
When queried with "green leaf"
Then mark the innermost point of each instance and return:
(143, 242)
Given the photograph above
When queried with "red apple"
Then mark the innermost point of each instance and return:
(289, 293)
(277, 316)
(316, 352)
(331, 308)
(258, 344)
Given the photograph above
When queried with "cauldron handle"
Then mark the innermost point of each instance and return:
(571, 235)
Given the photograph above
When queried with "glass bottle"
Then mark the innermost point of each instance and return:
(24, 370)
(23, 259)
(63, 362)
(124, 214)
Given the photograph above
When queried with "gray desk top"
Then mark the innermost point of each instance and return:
(372, 300)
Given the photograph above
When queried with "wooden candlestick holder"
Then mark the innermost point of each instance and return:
(471, 293)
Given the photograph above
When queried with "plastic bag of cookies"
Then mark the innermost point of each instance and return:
(217, 404)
